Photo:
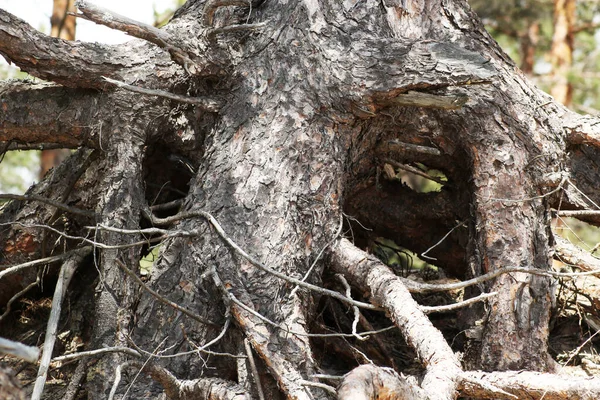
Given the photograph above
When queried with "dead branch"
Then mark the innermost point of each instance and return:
(423, 254)
(456, 306)
(175, 389)
(320, 254)
(385, 288)
(570, 254)
(167, 206)
(427, 100)
(415, 171)
(253, 369)
(204, 103)
(325, 387)
(355, 309)
(100, 244)
(57, 204)
(58, 60)
(64, 277)
(17, 296)
(16, 349)
(431, 151)
(102, 16)
(359, 335)
(201, 349)
(528, 385)
(94, 353)
(398, 214)
(578, 213)
(159, 37)
(43, 261)
(56, 185)
(424, 287)
(12, 146)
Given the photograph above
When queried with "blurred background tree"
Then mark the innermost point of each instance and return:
(62, 25)
(162, 17)
(556, 43)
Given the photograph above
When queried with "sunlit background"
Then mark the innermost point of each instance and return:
(37, 13)
(19, 169)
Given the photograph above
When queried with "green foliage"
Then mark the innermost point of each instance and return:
(508, 21)
(580, 233)
(161, 18)
(419, 183)
(147, 262)
(401, 260)
(18, 170)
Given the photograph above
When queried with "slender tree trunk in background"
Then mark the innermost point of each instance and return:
(237, 137)
(528, 45)
(62, 26)
(561, 53)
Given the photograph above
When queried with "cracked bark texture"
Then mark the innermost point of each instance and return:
(311, 109)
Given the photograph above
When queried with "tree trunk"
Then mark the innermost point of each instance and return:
(237, 136)
(562, 50)
(62, 26)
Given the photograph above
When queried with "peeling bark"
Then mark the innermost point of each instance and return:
(307, 101)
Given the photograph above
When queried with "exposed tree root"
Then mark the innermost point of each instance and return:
(370, 382)
(260, 336)
(176, 389)
(386, 289)
(283, 124)
(568, 253)
(528, 385)
(444, 377)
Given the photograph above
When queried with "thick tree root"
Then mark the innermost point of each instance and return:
(260, 337)
(176, 389)
(528, 385)
(371, 382)
(368, 273)
(444, 377)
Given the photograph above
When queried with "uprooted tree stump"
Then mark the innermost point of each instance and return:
(232, 142)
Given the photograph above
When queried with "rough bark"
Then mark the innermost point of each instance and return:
(255, 128)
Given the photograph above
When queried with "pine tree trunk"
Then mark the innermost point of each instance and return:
(280, 118)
